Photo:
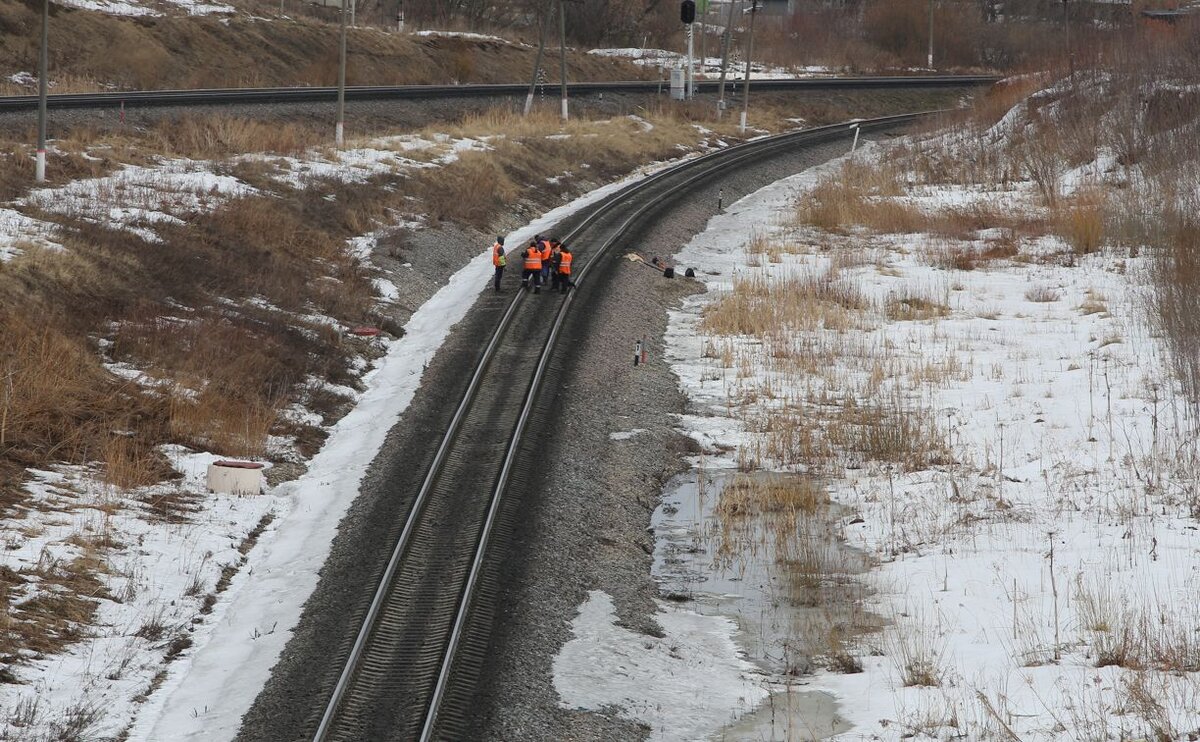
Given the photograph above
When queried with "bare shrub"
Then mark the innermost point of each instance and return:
(1040, 156)
(917, 651)
(913, 304)
(1176, 280)
(1042, 294)
(77, 722)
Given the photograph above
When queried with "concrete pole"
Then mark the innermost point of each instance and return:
(562, 56)
(930, 62)
(691, 69)
(537, 61)
(749, 57)
(340, 134)
(726, 40)
(43, 85)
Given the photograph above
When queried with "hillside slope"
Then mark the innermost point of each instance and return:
(91, 50)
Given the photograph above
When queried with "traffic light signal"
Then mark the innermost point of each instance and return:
(687, 11)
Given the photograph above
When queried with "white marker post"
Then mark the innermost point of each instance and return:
(43, 70)
(854, 146)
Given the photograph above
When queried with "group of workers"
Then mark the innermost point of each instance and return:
(545, 259)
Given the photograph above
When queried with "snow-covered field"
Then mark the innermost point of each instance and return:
(1038, 577)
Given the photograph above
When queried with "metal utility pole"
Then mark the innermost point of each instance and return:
(749, 57)
(43, 73)
(562, 57)
(704, 5)
(340, 135)
(726, 40)
(930, 64)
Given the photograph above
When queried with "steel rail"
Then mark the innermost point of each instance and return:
(723, 158)
(262, 96)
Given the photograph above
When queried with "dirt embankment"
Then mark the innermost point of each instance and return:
(92, 50)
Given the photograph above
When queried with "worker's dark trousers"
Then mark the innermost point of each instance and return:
(532, 278)
(499, 275)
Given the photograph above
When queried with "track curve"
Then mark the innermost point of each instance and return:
(411, 670)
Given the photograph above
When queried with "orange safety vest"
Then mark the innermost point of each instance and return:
(497, 254)
(564, 267)
(533, 260)
(546, 249)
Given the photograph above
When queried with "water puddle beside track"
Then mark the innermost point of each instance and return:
(763, 550)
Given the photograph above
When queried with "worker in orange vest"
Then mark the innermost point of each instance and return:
(532, 275)
(564, 268)
(498, 260)
(547, 251)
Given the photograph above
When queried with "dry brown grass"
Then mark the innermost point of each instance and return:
(838, 208)
(1080, 218)
(210, 137)
(955, 255)
(1003, 97)
(767, 307)
(474, 189)
(891, 431)
(914, 305)
(56, 402)
(1176, 280)
(762, 495)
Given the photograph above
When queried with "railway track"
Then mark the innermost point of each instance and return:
(262, 96)
(411, 670)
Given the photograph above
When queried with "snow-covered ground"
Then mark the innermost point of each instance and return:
(1038, 575)
(136, 8)
(138, 197)
(710, 66)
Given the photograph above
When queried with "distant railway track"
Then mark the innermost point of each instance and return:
(264, 96)
(412, 668)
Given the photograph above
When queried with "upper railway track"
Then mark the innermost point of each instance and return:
(247, 96)
(410, 672)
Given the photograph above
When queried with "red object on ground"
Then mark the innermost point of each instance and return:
(365, 332)
(239, 464)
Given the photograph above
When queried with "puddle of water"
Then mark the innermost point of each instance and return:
(785, 578)
(794, 716)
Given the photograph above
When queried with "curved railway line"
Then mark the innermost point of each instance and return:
(411, 671)
(160, 98)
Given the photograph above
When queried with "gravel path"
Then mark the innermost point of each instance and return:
(586, 521)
